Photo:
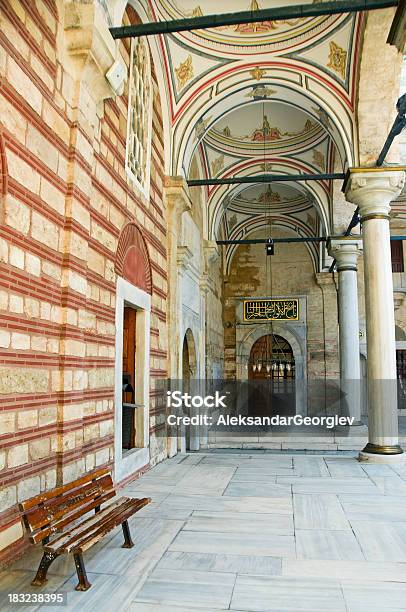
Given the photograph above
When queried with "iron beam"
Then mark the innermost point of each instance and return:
(286, 240)
(266, 178)
(270, 14)
(275, 240)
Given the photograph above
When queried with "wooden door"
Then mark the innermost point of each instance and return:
(129, 342)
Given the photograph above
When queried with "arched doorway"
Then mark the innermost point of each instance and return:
(188, 358)
(188, 377)
(271, 372)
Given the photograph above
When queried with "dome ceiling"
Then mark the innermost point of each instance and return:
(275, 97)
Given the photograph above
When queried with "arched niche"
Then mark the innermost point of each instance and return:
(132, 258)
(189, 356)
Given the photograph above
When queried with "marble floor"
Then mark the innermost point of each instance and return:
(247, 531)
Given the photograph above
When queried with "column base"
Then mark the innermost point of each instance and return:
(374, 453)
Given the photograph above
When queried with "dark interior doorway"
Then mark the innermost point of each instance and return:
(271, 374)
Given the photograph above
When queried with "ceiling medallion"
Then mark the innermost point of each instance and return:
(337, 59)
(184, 72)
(257, 73)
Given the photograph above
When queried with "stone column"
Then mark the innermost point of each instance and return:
(345, 251)
(373, 190)
(178, 202)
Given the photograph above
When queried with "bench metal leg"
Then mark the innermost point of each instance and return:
(128, 543)
(41, 576)
(83, 583)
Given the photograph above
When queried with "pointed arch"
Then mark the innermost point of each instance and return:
(132, 258)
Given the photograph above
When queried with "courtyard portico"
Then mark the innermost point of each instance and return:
(212, 204)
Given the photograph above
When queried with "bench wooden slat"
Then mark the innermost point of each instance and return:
(103, 530)
(54, 509)
(43, 497)
(62, 541)
(106, 519)
(67, 520)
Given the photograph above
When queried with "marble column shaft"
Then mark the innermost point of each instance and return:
(345, 251)
(373, 191)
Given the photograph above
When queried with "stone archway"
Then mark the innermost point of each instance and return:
(298, 345)
(189, 356)
(189, 435)
(132, 258)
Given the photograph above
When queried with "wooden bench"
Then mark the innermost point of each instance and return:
(64, 507)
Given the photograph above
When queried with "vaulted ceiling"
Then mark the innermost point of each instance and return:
(273, 97)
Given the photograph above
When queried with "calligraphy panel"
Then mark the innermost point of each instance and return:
(271, 310)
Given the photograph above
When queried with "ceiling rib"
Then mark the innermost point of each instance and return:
(269, 14)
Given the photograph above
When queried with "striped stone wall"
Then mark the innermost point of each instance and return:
(65, 198)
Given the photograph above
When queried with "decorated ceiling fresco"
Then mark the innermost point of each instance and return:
(275, 97)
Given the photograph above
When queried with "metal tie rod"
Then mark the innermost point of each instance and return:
(266, 178)
(270, 14)
(286, 240)
(266, 240)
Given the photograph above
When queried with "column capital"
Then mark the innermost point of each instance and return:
(373, 190)
(345, 250)
(177, 195)
(211, 252)
(184, 257)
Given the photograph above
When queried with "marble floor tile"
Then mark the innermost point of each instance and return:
(266, 505)
(310, 467)
(137, 606)
(249, 462)
(243, 522)
(234, 544)
(268, 593)
(147, 488)
(106, 593)
(322, 511)
(392, 485)
(266, 473)
(257, 489)
(323, 544)
(163, 512)
(329, 485)
(345, 570)
(209, 562)
(374, 596)
(151, 539)
(182, 588)
(376, 469)
(202, 479)
(345, 468)
(381, 541)
(374, 508)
